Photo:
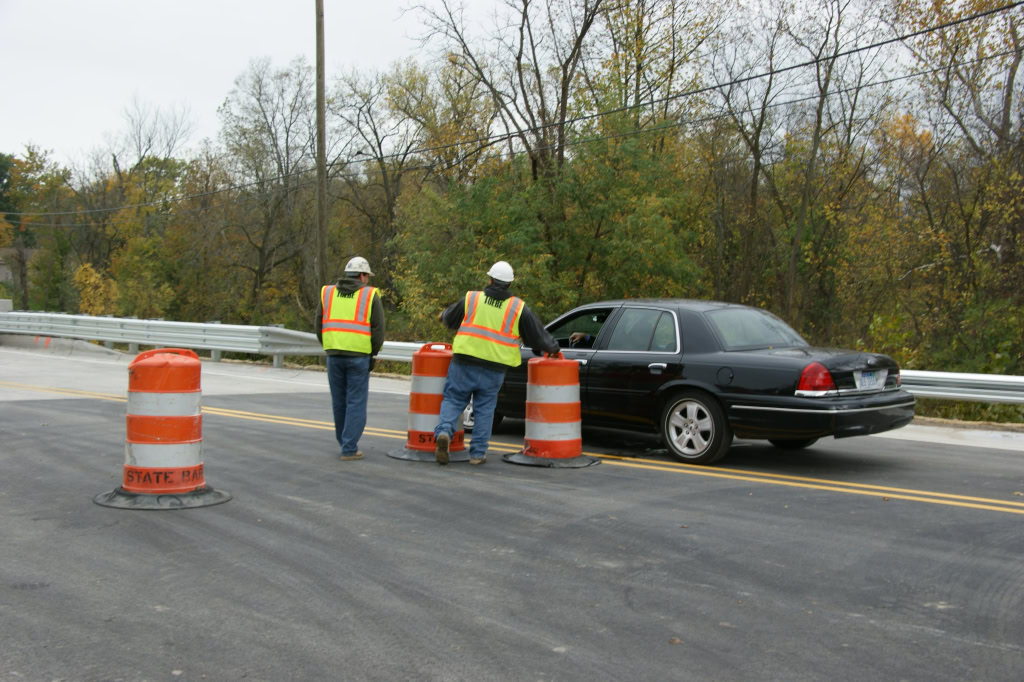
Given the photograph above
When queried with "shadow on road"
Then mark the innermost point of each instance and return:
(828, 457)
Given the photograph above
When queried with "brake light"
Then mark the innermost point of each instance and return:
(816, 378)
(897, 377)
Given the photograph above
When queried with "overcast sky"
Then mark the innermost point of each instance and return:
(71, 67)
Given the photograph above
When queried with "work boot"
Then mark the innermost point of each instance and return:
(479, 460)
(349, 458)
(441, 451)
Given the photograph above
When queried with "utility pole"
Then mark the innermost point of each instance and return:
(321, 152)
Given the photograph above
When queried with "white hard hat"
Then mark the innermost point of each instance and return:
(501, 271)
(358, 264)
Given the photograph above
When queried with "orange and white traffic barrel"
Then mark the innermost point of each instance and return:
(553, 434)
(429, 372)
(163, 460)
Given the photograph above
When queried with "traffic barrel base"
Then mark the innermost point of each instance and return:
(122, 499)
(429, 372)
(458, 441)
(553, 431)
(577, 462)
(163, 457)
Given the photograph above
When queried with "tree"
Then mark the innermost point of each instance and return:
(972, 194)
(381, 142)
(6, 202)
(37, 185)
(530, 71)
(268, 132)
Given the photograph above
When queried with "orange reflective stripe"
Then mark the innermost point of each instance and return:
(471, 300)
(554, 373)
(425, 403)
(553, 449)
(510, 315)
(158, 371)
(553, 412)
(184, 429)
(361, 306)
(163, 480)
(327, 295)
(489, 335)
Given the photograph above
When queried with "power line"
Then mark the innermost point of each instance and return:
(774, 105)
(574, 143)
(505, 137)
(602, 138)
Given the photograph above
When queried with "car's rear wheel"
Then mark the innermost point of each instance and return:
(793, 443)
(694, 428)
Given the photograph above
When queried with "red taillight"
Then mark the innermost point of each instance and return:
(897, 377)
(816, 378)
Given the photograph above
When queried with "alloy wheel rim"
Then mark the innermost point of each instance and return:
(691, 428)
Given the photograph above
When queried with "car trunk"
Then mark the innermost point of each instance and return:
(854, 372)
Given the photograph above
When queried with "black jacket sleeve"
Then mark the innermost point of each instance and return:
(452, 316)
(534, 334)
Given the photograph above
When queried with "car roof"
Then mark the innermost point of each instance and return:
(684, 303)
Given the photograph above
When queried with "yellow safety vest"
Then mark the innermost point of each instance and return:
(490, 332)
(346, 321)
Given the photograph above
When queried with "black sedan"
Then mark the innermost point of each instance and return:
(699, 372)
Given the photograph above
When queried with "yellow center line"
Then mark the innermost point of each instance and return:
(700, 470)
(997, 505)
(65, 391)
(619, 460)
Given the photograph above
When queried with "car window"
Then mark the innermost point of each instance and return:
(664, 340)
(749, 328)
(635, 329)
(583, 326)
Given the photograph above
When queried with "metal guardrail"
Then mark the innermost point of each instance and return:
(278, 342)
(215, 337)
(984, 388)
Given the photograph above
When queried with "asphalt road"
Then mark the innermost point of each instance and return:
(861, 559)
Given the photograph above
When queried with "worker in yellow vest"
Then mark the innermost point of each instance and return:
(351, 328)
(489, 324)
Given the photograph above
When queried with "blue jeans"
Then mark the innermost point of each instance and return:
(467, 381)
(349, 379)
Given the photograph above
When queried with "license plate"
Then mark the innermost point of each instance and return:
(872, 380)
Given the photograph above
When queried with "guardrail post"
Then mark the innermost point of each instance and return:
(214, 353)
(108, 344)
(278, 358)
(133, 348)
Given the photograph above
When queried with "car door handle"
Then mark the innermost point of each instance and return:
(656, 367)
(582, 361)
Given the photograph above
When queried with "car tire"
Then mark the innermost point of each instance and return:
(793, 443)
(694, 428)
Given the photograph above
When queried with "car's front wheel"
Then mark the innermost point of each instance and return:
(694, 428)
(793, 443)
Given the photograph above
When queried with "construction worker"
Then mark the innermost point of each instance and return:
(351, 328)
(489, 324)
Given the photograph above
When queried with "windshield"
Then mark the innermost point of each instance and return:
(750, 328)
